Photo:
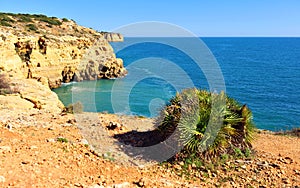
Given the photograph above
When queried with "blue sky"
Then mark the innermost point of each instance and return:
(204, 18)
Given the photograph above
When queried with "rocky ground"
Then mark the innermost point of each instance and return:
(46, 150)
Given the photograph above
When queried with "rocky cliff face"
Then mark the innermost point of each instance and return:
(61, 59)
(113, 37)
(55, 51)
(99, 62)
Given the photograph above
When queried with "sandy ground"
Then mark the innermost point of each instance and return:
(44, 150)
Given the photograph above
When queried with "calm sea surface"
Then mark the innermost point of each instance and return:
(263, 73)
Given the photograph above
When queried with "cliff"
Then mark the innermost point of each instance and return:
(113, 37)
(40, 53)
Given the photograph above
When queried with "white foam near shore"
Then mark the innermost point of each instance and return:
(66, 84)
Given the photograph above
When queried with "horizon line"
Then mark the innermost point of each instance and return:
(212, 36)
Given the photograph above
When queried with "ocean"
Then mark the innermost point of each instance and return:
(263, 73)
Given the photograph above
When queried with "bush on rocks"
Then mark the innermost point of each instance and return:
(210, 125)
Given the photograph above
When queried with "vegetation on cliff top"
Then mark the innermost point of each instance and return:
(7, 19)
(42, 24)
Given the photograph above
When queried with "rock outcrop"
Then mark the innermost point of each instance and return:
(100, 62)
(54, 51)
(65, 58)
(113, 37)
(68, 74)
(31, 96)
(9, 59)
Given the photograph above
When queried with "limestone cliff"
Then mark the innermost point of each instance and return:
(67, 58)
(52, 51)
(100, 62)
(113, 37)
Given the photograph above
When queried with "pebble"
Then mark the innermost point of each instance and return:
(263, 164)
(96, 186)
(141, 183)
(285, 181)
(66, 125)
(25, 162)
(2, 179)
(5, 149)
(239, 161)
(92, 149)
(71, 121)
(274, 165)
(141, 166)
(9, 126)
(84, 142)
(122, 185)
(244, 167)
(50, 140)
(194, 166)
(33, 147)
(105, 155)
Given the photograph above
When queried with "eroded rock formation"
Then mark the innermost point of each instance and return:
(113, 37)
(100, 62)
(65, 59)
(68, 74)
(63, 53)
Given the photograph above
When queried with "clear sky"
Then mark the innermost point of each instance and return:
(202, 17)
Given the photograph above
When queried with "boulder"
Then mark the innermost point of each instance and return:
(14, 102)
(39, 95)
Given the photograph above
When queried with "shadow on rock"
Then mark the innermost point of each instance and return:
(149, 146)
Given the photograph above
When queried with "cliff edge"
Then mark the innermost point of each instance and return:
(38, 53)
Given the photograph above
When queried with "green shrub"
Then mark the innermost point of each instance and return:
(4, 23)
(46, 19)
(5, 20)
(38, 16)
(51, 21)
(65, 20)
(6, 14)
(238, 153)
(109, 156)
(62, 140)
(4, 17)
(24, 18)
(32, 27)
(210, 124)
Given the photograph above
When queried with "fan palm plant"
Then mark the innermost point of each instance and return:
(209, 124)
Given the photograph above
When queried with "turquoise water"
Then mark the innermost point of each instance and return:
(263, 73)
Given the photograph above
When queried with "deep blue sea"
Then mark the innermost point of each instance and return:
(263, 73)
